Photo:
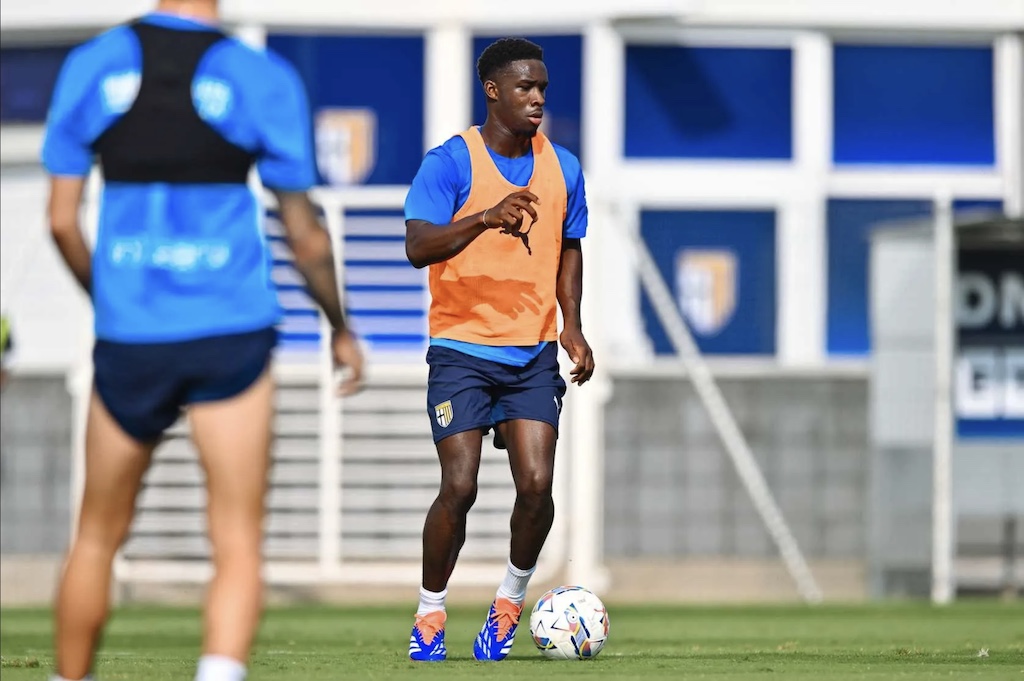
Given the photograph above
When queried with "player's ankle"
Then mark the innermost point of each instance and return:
(431, 601)
(513, 587)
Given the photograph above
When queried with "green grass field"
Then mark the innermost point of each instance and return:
(901, 641)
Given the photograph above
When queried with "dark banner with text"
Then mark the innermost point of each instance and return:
(989, 299)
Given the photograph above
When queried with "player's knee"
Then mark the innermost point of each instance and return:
(241, 549)
(105, 537)
(243, 568)
(534, 486)
(99, 545)
(459, 494)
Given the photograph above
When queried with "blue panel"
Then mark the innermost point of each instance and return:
(27, 77)
(720, 265)
(997, 429)
(979, 206)
(386, 298)
(383, 74)
(919, 105)
(708, 102)
(849, 229)
(563, 55)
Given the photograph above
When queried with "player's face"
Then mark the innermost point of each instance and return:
(519, 90)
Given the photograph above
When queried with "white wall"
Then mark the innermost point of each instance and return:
(994, 15)
(48, 312)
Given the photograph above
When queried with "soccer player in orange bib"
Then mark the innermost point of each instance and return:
(497, 213)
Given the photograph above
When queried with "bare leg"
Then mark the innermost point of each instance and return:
(233, 437)
(531, 454)
(114, 465)
(444, 531)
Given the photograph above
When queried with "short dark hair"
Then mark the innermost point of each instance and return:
(503, 52)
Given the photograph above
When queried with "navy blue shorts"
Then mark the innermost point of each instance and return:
(468, 393)
(145, 386)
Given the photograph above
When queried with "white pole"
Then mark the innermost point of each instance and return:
(801, 240)
(1009, 77)
(603, 64)
(721, 417)
(586, 433)
(330, 410)
(448, 83)
(942, 464)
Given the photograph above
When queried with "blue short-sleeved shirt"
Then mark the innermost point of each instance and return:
(441, 188)
(181, 261)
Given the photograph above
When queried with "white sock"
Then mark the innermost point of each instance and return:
(431, 601)
(219, 668)
(87, 677)
(514, 585)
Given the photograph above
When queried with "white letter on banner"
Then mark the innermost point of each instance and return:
(977, 394)
(1013, 384)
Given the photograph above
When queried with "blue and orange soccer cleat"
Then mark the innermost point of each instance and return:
(426, 644)
(494, 642)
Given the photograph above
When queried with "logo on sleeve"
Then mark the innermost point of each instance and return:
(119, 91)
(212, 99)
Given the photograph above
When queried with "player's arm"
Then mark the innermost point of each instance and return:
(286, 168)
(63, 211)
(67, 157)
(569, 285)
(430, 234)
(569, 291)
(314, 258)
(427, 243)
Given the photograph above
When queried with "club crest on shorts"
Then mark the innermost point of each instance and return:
(706, 283)
(444, 413)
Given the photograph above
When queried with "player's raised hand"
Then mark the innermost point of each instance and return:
(508, 214)
(580, 353)
(348, 356)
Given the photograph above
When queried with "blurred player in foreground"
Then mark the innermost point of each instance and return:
(179, 278)
(497, 212)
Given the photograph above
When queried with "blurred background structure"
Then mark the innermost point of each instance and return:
(829, 194)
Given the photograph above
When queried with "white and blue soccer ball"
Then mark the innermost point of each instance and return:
(569, 623)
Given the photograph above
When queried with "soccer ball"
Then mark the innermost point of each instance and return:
(569, 623)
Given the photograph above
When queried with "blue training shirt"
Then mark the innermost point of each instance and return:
(440, 189)
(175, 262)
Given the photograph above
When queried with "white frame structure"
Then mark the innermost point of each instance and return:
(332, 566)
(796, 190)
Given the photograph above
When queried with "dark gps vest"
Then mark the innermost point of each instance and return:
(161, 138)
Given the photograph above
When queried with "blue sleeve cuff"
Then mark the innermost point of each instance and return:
(66, 159)
(577, 232)
(434, 191)
(577, 215)
(284, 179)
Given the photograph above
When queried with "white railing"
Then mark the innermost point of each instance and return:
(352, 479)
